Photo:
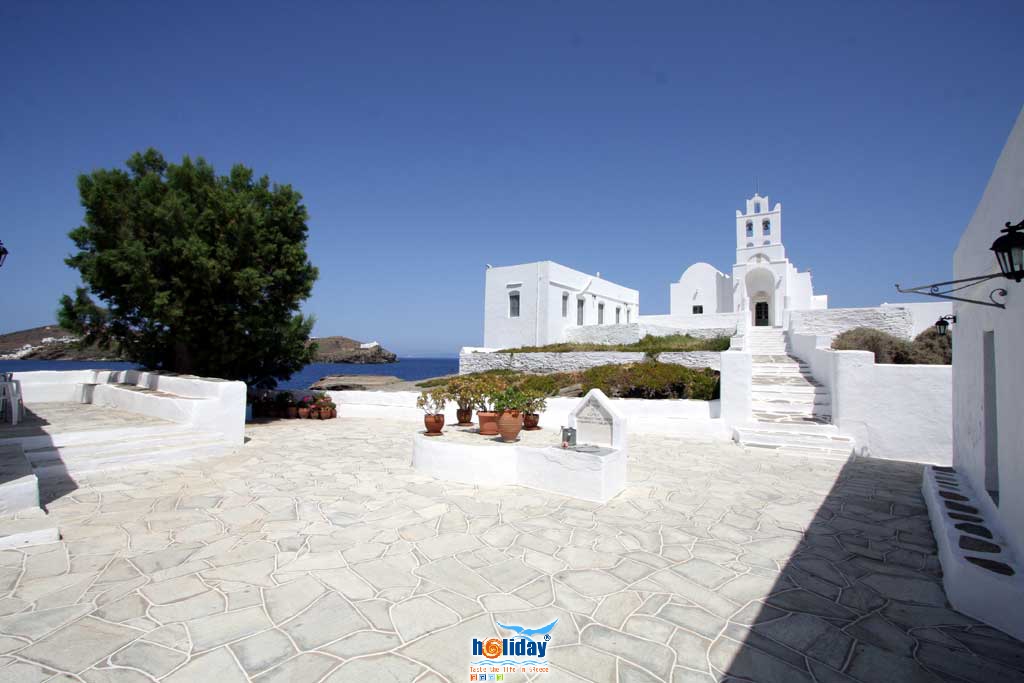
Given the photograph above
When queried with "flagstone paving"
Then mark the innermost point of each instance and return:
(317, 554)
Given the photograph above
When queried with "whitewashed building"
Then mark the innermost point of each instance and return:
(764, 285)
(977, 509)
(533, 304)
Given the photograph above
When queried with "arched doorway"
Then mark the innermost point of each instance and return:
(760, 293)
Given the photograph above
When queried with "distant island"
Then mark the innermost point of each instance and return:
(52, 342)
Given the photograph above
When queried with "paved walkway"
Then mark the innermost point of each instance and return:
(317, 554)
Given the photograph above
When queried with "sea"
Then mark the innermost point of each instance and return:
(405, 368)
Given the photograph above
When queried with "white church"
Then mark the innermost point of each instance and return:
(535, 304)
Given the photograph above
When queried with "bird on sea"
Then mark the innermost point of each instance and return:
(530, 632)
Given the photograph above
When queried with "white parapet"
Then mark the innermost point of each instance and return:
(473, 459)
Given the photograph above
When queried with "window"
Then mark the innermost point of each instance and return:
(600, 314)
(766, 228)
(757, 207)
(627, 315)
(565, 305)
(767, 242)
(579, 311)
(698, 310)
(750, 244)
(513, 305)
(618, 311)
(750, 228)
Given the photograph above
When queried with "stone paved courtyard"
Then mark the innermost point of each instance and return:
(316, 553)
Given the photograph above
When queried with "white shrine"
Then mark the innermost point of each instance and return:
(593, 470)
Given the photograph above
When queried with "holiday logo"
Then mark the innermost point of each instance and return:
(526, 647)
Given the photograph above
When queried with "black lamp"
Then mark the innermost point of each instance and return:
(1009, 249)
(942, 324)
(3, 253)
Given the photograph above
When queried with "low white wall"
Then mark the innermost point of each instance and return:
(206, 404)
(684, 418)
(706, 326)
(832, 321)
(604, 334)
(736, 383)
(897, 412)
(543, 363)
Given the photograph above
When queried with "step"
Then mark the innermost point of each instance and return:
(50, 467)
(780, 371)
(84, 436)
(20, 488)
(791, 418)
(783, 381)
(809, 407)
(127, 443)
(801, 452)
(30, 528)
(807, 436)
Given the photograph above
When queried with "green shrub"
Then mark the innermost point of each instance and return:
(653, 380)
(650, 345)
(932, 348)
(929, 348)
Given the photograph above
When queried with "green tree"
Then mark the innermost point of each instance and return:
(198, 273)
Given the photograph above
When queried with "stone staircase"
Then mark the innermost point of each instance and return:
(791, 413)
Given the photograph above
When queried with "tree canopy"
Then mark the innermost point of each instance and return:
(198, 273)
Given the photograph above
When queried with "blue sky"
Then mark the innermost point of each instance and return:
(431, 138)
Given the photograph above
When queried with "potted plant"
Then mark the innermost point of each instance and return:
(286, 403)
(535, 404)
(465, 393)
(304, 405)
(328, 409)
(510, 404)
(432, 403)
(485, 412)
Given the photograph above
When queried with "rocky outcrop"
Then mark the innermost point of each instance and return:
(345, 350)
(355, 383)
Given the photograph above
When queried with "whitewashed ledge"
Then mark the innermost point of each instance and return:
(536, 461)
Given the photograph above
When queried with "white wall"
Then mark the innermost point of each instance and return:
(682, 418)
(923, 315)
(206, 404)
(604, 334)
(700, 285)
(830, 322)
(1002, 201)
(541, 286)
(897, 412)
(502, 330)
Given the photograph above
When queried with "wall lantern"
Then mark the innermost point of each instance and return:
(3, 253)
(1009, 251)
(942, 324)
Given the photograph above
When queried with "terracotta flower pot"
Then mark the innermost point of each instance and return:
(510, 422)
(314, 413)
(465, 416)
(433, 423)
(488, 420)
(303, 413)
(293, 412)
(530, 421)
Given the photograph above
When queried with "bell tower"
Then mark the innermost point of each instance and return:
(759, 230)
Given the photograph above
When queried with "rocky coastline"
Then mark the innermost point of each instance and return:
(52, 342)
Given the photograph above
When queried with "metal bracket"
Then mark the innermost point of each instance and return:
(934, 290)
